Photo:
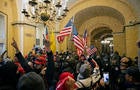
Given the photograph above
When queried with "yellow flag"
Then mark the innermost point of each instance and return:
(53, 42)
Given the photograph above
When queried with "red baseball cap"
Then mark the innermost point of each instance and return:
(40, 60)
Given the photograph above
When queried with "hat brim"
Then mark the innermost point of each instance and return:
(37, 62)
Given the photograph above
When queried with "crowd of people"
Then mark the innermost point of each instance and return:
(41, 69)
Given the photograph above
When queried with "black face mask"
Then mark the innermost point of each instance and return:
(123, 71)
(86, 73)
(37, 70)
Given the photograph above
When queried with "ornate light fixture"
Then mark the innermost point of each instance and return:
(45, 10)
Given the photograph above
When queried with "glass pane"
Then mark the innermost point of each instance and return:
(1, 48)
(2, 26)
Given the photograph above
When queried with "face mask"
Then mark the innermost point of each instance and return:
(123, 71)
(37, 70)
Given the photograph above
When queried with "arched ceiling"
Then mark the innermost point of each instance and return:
(86, 9)
(101, 33)
(91, 12)
(96, 11)
(94, 14)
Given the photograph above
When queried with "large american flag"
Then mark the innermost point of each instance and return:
(65, 32)
(91, 50)
(78, 42)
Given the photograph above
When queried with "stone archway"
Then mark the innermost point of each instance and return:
(98, 35)
(83, 4)
(91, 14)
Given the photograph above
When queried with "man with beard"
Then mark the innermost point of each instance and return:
(125, 62)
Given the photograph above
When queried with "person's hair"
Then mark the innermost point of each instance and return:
(134, 72)
(85, 71)
(129, 63)
(138, 44)
(8, 76)
(31, 81)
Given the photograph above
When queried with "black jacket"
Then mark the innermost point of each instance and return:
(49, 65)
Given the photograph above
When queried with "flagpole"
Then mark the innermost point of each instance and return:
(71, 35)
(56, 30)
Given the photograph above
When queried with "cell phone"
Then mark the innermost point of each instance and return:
(106, 77)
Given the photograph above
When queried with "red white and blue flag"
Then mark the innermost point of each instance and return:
(65, 32)
(78, 42)
(60, 38)
(91, 50)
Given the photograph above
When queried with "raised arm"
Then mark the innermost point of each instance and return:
(20, 57)
(50, 63)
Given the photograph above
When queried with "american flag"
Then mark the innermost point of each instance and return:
(85, 38)
(65, 31)
(91, 50)
(60, 38)
(93, 63)
(77, 41)
(79, 52)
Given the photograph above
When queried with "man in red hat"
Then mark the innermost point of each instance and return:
(39, 64)
(66, 81)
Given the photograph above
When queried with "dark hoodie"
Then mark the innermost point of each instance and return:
(8, 76)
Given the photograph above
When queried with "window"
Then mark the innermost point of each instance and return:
(2, 32)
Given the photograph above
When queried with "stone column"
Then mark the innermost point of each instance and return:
(131, 38)
(119, 42)
(24, 34)
(56, 33)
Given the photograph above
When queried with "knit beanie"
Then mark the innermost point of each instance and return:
(85, 70)
(134, 72)
(31, 81)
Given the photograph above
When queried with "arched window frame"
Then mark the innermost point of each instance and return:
(3, 32)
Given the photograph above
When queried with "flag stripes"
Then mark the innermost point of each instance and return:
(60, 38)
(95, 63)
(79, 52)
(78, 42)
(66, 31)
(91, 51)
